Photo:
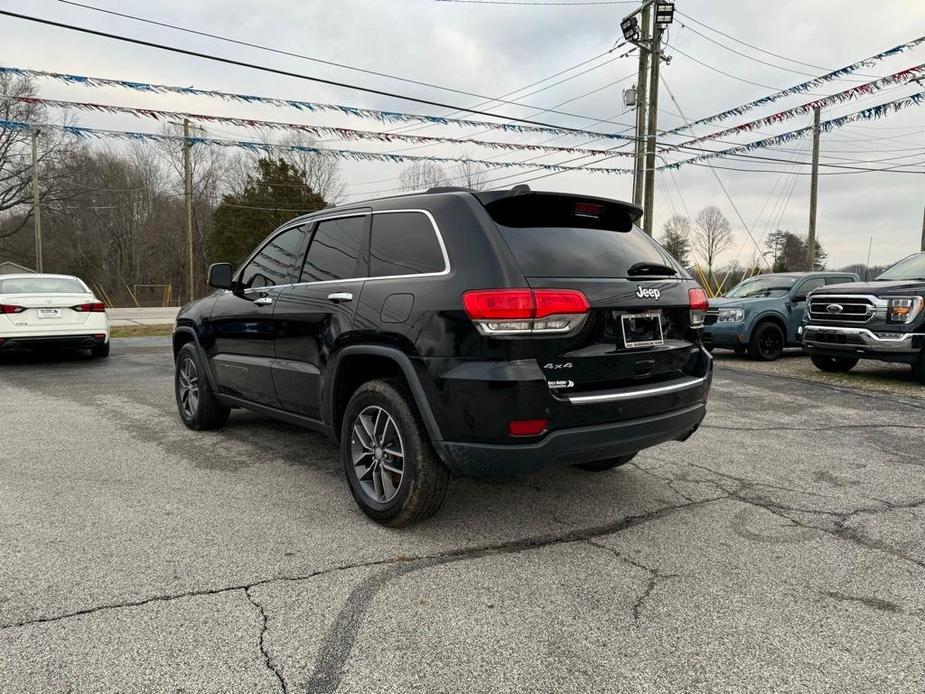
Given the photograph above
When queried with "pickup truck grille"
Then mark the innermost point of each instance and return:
(850, 309)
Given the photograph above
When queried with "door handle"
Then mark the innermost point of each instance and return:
(340, 296)
(264, 300)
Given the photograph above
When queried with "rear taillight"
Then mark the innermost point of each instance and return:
(93, 307)
(697, 298)
(525, 311)
(9, 308)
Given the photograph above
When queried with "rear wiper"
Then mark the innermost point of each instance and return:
(656, 269)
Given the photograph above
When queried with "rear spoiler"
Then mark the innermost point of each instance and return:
(522, 207)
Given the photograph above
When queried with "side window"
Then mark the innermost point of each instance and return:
(839, 280)
(809, 285)
(404, 243)
(272, 264)
(335, 250)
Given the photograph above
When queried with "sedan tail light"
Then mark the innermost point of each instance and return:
(697, 298)
(525, 311)
(93, 307)
(10, 308)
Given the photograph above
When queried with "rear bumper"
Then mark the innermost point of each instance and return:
(572, 446)
(844, 341)
(79, 341)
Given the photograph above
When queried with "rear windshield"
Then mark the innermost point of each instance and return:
(41, 285)
(576, 252)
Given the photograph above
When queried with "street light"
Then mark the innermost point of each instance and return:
(630, 27)
(664, 14)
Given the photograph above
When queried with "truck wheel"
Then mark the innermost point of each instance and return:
(394, 474)
(918, 370)
(833, 364)
(608, 464)
(196, 403)
(767, 343)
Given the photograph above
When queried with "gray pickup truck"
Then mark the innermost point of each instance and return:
(883, 319)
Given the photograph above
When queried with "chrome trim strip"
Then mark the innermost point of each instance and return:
(637, 393)
(433, 222)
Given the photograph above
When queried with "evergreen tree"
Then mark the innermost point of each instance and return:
(676, 234)
(276, 193)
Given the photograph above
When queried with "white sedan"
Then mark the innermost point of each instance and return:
(51, 311)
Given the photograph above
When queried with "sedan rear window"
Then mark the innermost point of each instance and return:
(41, 285)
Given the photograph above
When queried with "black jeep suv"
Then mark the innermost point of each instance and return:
(453, 331)
(883, 319)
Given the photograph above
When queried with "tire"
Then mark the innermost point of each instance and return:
(833, 364)
(196, 402)
(608, 464)
(767, 343)
(918, 370)
(381, 424)
(100, 351)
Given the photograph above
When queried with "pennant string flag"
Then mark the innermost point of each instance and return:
(314, 130)
(898, 78)
(872, 113)
(800, 88)
(84, 133)
(369, 113)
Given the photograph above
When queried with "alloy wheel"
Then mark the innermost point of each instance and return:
(378, 454)
(188, 386)
(770, 343)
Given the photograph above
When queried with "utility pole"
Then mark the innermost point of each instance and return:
(652, 128)
(188, 192)
(813, 193)
(36, 203)
(923, 231)
(641, 101)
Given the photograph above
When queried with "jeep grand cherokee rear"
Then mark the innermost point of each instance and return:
(453, 331)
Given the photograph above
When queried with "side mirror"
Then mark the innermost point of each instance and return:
(220, 276)
(799, 298)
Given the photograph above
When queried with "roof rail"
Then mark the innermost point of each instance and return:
(449, 189)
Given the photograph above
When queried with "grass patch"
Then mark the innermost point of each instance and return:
(141, 331)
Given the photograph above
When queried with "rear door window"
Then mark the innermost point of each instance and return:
(334, 253)
(404, 243)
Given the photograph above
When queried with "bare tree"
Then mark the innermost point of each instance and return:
(469, 174)
(712, 236)
(421, 175)
(16, 152)
(676, 238)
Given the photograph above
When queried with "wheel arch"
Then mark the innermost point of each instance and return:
(770, 317)
(357, 364)
(184, 335)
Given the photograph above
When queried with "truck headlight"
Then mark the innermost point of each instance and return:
(730, 315)
(904, 310)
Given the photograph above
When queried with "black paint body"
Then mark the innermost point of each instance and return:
(299, 357)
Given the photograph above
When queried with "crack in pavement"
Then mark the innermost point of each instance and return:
(511, 546)
(263, 632)
(654, 576)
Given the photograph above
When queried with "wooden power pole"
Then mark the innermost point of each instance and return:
(36, 201)
(641, 101)
(923, 231)
(813, 193)
(188, 193)
(652, 128)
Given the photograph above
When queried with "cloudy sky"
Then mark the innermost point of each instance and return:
(493, 49)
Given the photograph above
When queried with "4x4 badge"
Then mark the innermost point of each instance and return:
(644, 293)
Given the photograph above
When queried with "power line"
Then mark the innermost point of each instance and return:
(296, 75)
(531, 3)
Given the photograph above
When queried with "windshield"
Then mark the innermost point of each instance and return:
(41, 285)
(911, 268)
(764, 285)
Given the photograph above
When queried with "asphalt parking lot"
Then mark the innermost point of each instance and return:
(780, 549)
